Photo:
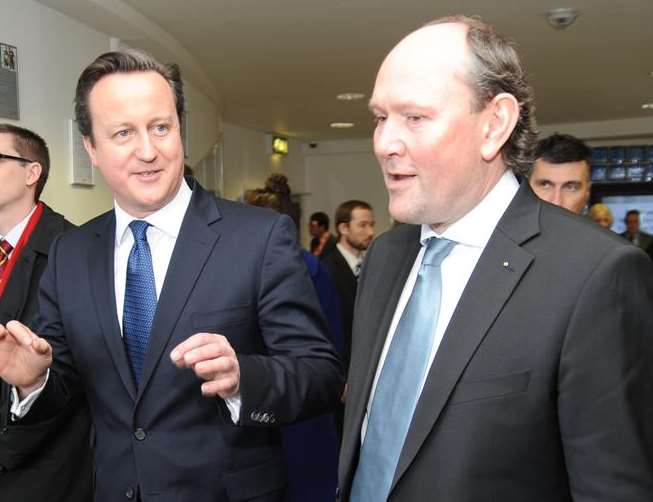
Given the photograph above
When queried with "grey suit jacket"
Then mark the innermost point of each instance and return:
(541, 388)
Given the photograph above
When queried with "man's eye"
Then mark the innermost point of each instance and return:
(123, 133)
(161, 129)
(379, 118)
(414, 118)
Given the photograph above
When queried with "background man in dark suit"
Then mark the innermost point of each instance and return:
(528, 374)
(561, 173)
(634, 234)
(354, 222)
(323, 242)
(189, 321)
(31, 457)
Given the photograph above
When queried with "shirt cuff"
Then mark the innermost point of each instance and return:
(234, 404)
(20, 408)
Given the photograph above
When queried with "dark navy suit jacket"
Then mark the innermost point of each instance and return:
(235, 270)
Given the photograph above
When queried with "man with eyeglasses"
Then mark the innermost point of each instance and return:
(31, 457)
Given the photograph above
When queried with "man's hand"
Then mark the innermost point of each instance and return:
(213, 359)
(24, 357)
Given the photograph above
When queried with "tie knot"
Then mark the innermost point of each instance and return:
(436, 251)
(5, 248)
(138, 228)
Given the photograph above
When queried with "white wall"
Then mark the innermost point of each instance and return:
(53, 49)
(337, 171)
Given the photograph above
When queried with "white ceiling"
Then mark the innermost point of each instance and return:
(277, 65)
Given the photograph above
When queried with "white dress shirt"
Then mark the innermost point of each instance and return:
(14, 234)
(471, 234)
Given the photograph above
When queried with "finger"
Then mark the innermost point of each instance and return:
(224, 387)
(216, 368)
(192, 342)
(215, 350)
(20, 332)
(41, 346)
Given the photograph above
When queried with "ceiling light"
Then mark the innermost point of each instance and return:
(647, 106)
(350, 96)
(341, 125)
(561, 18)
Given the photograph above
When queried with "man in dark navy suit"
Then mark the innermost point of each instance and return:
(190, 322)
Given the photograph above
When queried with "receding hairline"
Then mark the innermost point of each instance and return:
(461, 68)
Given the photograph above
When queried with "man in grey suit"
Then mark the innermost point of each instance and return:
(528, 373)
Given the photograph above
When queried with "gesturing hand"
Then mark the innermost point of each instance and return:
(212, 359)
(24, 357)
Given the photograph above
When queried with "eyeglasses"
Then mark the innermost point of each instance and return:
(13, 157)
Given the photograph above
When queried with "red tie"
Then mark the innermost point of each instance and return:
(5, 249)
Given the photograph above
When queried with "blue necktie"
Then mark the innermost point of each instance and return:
(140, 299)
(398, 386)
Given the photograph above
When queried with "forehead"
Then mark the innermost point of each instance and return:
(565, 171)
(361, 213)
(6, 142)
(133, 91)
(426, 61)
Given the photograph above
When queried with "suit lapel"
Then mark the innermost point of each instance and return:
(100, 262)
(193, 248)
(499, 270)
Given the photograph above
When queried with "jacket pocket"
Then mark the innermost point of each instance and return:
(256, 481)
(216, 319)
(498, 386)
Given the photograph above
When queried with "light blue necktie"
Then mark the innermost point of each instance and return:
(140, 299)
(398, 387)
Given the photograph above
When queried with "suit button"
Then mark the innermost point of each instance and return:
(140, 434)
(130, 493)
(4, 430)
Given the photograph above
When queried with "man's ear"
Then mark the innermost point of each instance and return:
(34, 171)
(90, 149)
(343, 228)
(502, 114)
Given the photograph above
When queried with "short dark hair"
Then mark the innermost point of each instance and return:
(128, 61)
(31, 146)
(631, 211)
(344, 210)
(321, 219)
(496, 68)
(562, 148)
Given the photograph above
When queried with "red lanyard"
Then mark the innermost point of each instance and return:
(31, 224)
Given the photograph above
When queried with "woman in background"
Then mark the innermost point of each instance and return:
(601, 214)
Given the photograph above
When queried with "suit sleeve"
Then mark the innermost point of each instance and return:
(63, 388)
(606, 383)
(300, 375)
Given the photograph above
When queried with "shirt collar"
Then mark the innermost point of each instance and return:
(13, 236)
(168, 219)
(351, 259)
(476, 227)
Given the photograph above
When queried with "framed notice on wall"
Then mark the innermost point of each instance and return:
(81, 168)
(9, 81)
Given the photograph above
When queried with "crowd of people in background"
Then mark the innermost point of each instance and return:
(184, 347)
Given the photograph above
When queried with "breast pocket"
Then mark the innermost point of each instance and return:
(219, 321)
(499, 386)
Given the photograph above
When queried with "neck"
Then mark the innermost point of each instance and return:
(343, 242)
(13, 215)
